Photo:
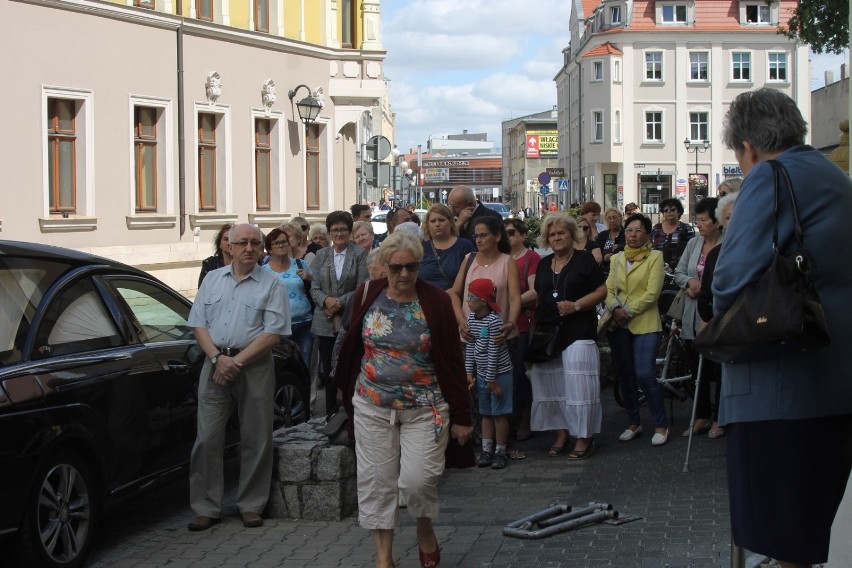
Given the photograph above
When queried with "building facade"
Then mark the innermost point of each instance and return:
(136, 128)
(530, 148)
(646, 82)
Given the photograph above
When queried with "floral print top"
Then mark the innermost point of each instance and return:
(397, 370)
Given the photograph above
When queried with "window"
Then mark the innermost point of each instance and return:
(741, 66)
(699, 66)
(616, 126)
(62, 158)
(616, 71)
(654, 65)
(597, 70)
(204, 10)
(757, 13)
(207, 161)
(261, 15)
(263, 163)
(654, 126)
(162, 316)
(597, 126)
(312, 166)
(699, 128)
(674, 14)
(347, 22)
(615, 14)
(777, 66)
(145, 154)
(145, 4)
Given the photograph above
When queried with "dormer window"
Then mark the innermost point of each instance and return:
(674, 13)
(757, 13)
(615, 15)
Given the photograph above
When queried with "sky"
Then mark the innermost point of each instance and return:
(453, 66)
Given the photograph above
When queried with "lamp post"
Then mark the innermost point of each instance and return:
(695, 148)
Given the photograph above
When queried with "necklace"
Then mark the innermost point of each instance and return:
(556, 273)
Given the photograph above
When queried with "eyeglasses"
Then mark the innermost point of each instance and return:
(668, 209)
(339, 230)
(473, 297)
(481, 235)
(240, 244)
(280, 244)
(637, 231)
(585, 227)
(408, 266)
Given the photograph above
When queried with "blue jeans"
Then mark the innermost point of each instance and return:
(635, 359)
(302, 336)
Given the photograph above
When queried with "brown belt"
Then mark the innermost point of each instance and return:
(229, 351)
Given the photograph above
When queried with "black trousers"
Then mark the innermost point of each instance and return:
(325, 347)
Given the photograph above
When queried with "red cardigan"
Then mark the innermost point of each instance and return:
(449, 365)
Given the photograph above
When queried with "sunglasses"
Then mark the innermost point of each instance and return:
(668, 209)
(408, 266)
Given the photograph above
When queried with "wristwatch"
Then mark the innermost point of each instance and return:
(576, 307)
(214, 358)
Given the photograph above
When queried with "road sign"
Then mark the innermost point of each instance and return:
(544, 190)
(544, 178)
(563, 185)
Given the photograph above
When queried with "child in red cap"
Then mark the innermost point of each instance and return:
(489, 367)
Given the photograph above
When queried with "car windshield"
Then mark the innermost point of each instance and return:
(23, 282)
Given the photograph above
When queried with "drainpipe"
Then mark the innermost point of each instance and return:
(180, 121)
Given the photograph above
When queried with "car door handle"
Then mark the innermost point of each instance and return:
(179, 367)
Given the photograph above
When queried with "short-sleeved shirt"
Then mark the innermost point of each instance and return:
(449, 259)
(235, 313)
(397, 370)
(301, 309)
(483, 356)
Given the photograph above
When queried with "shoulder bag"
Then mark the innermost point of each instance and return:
(545, 342)
(778, 315)
(675, 310)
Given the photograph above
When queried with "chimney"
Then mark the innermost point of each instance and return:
(829, 77)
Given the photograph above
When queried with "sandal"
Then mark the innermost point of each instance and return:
(516, 455)
(698, 431)
(556, 451)
(577, 455)
(713, 434)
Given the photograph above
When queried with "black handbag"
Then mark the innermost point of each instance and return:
(545, 343)
(776, 316)
(337, 429)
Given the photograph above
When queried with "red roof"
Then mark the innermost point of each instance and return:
(710, 16)
(589, 7)
(603, 49)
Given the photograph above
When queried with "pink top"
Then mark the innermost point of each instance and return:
(497, 272)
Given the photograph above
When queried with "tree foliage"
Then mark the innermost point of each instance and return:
(822, 24)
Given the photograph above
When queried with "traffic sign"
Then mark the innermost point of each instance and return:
(563, 185)
(544, 178)
(544, 190)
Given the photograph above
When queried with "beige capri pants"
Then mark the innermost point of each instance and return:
(397, 452)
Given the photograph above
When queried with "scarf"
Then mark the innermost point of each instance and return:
(637, 255)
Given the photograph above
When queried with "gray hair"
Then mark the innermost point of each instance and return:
(409, 227)
(558, 218)
(363, 225)
(400, 242)
(767, 119)
(723, 204)
(317, 229)
(372, 257)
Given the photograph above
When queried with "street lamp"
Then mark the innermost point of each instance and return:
(698, 147)
(309, 107)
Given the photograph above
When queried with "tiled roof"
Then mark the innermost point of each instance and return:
(589, 7)
(603, 49)
(710, 16)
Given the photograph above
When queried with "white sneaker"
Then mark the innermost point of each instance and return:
(660, 439)
(629, 434)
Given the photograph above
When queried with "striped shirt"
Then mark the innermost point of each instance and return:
(483, 357)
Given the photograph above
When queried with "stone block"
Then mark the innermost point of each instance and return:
(323, 502)
(294, 462)
(335, 462)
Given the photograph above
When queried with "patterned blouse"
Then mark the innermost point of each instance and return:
(301, 309)
(397, 370)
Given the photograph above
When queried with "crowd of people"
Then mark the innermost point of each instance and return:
(439, 318)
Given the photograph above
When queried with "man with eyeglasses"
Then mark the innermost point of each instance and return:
(240, 313)
(466, 208)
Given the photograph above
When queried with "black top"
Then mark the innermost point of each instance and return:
(209, 264)
(705, 295)
(581, 276)
(480, 211)
(606, 243)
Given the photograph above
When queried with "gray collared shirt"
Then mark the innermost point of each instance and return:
(235, 313)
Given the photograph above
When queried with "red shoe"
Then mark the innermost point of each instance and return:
(430, 559)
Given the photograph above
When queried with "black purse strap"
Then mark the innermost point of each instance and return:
(782, 175)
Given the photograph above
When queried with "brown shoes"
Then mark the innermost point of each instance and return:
(202, 523)
(251, 520)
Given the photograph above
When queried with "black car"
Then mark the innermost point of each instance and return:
(98, 393)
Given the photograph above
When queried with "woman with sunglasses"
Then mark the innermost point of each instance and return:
(527, 261)
(671, 234)
(295, 275)
(586, 242)
(404, 401)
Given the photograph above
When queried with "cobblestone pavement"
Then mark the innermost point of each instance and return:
(684, 515)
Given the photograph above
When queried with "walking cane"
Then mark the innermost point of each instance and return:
(694, 408)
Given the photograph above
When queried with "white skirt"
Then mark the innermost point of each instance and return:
(567, 391)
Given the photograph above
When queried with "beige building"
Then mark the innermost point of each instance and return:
(134, 129)
(530, 147)
(646, 82)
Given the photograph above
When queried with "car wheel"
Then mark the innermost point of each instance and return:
(60, 514)
(290, 402)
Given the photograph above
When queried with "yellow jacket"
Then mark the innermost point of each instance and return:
(637, 290)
